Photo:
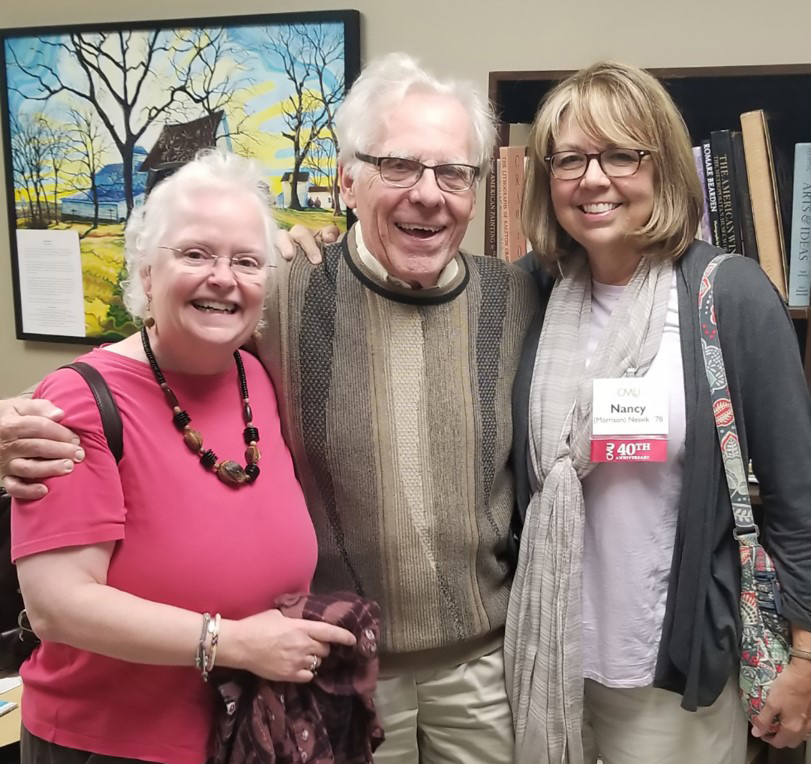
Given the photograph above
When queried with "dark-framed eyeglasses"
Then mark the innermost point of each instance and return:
(200, 258)
(614, 162)
(404, 173)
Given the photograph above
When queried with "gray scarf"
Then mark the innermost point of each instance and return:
(542, 648)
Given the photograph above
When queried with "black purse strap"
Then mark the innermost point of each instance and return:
(110, 416)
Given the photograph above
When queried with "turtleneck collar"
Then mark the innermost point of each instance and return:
(370, 271)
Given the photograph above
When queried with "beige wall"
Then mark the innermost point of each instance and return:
(465, 38)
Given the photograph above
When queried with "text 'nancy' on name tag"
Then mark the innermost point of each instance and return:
(629, 406)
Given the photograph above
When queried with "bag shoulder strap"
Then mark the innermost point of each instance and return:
(110, 416)
(736, 473)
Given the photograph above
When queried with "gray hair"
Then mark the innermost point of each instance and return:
(382, 85)
(211, 169)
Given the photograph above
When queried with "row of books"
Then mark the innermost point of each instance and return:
(757, 201)
(753, 198)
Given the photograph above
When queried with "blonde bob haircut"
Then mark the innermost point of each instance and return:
(616, 105)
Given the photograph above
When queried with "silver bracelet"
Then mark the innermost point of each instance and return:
(200, 658)
(214, 633)
(795, 652)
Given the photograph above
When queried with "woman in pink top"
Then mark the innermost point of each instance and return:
(140, 576)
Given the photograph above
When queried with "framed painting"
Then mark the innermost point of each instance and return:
(94, 115)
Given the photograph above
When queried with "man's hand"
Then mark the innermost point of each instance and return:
(309, 241)
(34, 446)
(790, 699)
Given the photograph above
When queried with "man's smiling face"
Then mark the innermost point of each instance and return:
(415, 232)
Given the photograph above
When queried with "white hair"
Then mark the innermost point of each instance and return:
(211, 169)
(382, 85)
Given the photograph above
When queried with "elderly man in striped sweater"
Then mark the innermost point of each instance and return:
(394, 359)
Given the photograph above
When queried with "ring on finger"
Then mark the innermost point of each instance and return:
(314, 664)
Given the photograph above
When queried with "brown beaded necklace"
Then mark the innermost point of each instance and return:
(228, 471)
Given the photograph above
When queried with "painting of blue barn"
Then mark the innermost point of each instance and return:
(95, 117)
(108, 193)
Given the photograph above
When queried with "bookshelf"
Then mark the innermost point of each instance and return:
(710, 98)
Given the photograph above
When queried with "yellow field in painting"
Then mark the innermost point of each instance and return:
(312, 218)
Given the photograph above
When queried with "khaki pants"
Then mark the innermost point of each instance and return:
(645, 725)
(459, 715)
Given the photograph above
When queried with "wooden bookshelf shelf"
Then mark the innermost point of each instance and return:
(709, 97)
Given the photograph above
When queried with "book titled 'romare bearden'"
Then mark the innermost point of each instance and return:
(723, 164)
(799, 282)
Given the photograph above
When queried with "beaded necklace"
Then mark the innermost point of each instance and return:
(228, 471)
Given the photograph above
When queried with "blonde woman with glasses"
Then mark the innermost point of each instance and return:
(623, 632)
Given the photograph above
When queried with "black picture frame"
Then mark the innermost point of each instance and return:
(81, 146)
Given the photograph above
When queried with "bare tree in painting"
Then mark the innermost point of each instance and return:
(89, 144)
(29, 144)
(317, 162)
(19, 168)
(130, 80)
(320, 163)
(305, 52)
(326, 47)
(213, 69)
(56, 148)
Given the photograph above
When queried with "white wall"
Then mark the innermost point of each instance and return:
(466, 38)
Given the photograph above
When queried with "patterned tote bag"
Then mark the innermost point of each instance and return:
(765, 640)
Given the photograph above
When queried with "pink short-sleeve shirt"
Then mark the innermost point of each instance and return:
(181, 537)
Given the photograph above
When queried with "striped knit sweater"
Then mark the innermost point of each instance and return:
(396, 407)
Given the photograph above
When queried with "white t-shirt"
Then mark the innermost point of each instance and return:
(630, 528)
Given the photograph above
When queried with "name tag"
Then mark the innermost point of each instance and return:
(629, 420)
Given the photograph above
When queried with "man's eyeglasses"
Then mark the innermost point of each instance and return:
(404, 173)
(615, 163)
(202, 259)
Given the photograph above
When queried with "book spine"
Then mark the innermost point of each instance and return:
(763, 191)
(748, 239)
(712, 198)
(514, 158)
(722, 163)
(503, 207)
(799, 282)
(491, 219)
(704, 229)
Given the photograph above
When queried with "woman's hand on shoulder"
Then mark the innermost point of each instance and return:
(307, 240)
(278, 648)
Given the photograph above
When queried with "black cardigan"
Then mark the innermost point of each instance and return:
(699, 649)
